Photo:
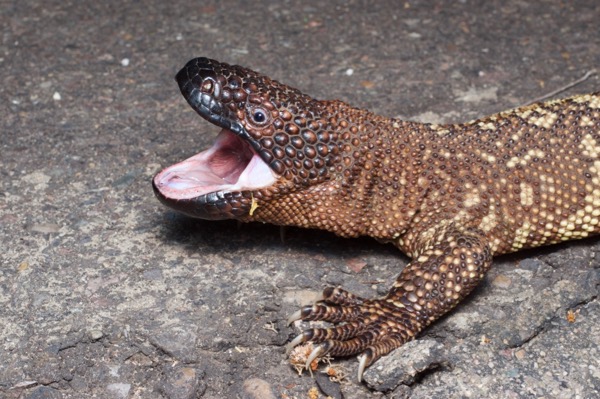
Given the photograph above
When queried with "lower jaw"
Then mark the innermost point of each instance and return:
(211, 206)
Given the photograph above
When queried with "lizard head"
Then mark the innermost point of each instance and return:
(273, 141)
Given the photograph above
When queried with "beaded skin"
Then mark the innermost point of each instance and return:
(449, 196)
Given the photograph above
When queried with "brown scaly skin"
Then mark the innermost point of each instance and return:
(449, 196)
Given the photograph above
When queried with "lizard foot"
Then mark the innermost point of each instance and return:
(428, 287)
(371, 327)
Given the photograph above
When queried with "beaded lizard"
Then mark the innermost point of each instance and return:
(449, 196)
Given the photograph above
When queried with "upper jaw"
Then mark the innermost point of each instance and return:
(199, 86)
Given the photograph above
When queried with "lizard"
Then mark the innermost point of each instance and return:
(449, 196)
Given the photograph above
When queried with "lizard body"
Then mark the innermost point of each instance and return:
(449, 196)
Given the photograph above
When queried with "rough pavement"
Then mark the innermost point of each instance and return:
(106, 294)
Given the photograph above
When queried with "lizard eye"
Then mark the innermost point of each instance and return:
(258, 116)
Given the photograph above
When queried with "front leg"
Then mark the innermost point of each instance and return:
(439, 277)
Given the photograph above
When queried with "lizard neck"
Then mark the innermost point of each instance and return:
(375, 184)
(383, 173)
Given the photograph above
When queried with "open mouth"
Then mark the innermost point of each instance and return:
(230, 165)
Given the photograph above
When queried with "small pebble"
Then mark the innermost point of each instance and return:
(96, 335)
(255, 388)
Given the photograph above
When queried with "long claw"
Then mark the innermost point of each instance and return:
(300, 339)
(317, 352)
(362, 364)
(364, 361)
(301, 314)
(297, 315)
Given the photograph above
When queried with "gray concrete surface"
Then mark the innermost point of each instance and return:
(104, 293)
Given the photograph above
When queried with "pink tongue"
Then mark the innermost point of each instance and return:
(229, 164)
(223, 163)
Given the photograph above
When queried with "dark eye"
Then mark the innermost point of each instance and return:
(258, 116)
